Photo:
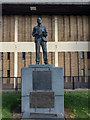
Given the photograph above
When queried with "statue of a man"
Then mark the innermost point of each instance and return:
(40, 34)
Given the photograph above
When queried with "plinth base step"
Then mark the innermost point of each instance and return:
(43, 114)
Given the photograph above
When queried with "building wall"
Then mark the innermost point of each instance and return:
(70, 29)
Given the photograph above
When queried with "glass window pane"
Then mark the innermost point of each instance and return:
(23, 55)
(8, 55)
(82, 55)
(88, 55)
(82, 72)
(8, 73)
(89, 72)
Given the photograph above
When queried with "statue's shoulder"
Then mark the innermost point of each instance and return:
(44, 27)
(35, 26)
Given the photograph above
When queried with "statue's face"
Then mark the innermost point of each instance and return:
(39, 20)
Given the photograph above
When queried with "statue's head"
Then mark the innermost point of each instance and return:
(39, 21)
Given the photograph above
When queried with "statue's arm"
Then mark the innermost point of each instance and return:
(45, 33)
(34, 32)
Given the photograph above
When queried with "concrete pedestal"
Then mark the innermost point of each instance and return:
(42, 92)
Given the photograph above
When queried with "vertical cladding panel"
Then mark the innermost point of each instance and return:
(8, 62)
(86, 28)
(79, 22)
(23, 28)
(40, 57)
(53, 59)
(33, 58)
(53, 28)
(23, 61)
(30, 57)
(5, 29)
(12, 67)
(66, 28)
(26, 60)
(8, 28)
(2, 29)
(86, 66)
(74, 65)
(60, 28)
(79, 63)
(12, 28)
(0, 65)
(67, 64)
(28, 29)
(4, 68)
(20, 28)
(49, 57)
(19, 63)
(73, 28)
(34, 23)
(61, 60)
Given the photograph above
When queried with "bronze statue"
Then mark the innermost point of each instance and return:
(40, 34)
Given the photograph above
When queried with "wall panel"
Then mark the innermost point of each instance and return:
(8, 28)
(86, 28)
(67, 28)
(80, 26)
(61, 61)
(60, 28)
(73, 28)
(11, 67)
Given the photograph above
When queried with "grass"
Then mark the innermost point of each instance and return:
(78, 103)
(9, 102)
(75, 101)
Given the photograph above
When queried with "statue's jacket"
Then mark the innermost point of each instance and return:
(40, 33)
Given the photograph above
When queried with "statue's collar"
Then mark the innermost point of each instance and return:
(39, 25)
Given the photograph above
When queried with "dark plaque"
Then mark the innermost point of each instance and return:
(42, 80)
(42, 100)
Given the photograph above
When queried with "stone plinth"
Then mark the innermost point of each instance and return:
(42, 92)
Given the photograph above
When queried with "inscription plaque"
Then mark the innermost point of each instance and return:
(42, 80)
(42, 100)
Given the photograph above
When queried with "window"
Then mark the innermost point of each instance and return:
(23, 55)
(82, 72)
(8, 55)
(1, 56)
(89, 72)
(88, 55)
(8, 73)
(82, 55)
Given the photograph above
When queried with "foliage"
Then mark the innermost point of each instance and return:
(78, 103)
(9, 102)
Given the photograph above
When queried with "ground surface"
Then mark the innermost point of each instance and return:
(76, 105)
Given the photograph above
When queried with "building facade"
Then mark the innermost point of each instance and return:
(68, 38)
